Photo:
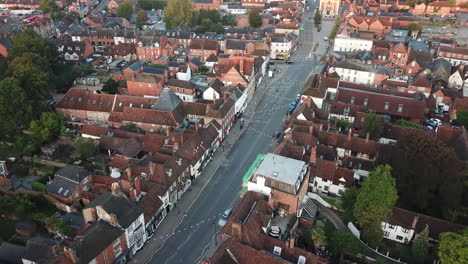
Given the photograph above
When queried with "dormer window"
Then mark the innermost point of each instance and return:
(352, 100)
(400, 108)
(387, 104)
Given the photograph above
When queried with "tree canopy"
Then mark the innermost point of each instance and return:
(142, 17)
(342, 242)
(110, 86)
(376, 197)
(428, 175)
(255, 19)
(178, 13)
(86, 147)
(15, 109)
(348, 200)
(152, 4)
(462, 118)
(125, 10)
(29, 42)
(420, 247)
(406, 123)
(50, 7)
(372, 125)
(317, 18)
(453, 248)
(48, 127)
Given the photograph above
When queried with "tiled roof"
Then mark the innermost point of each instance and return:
(354, 144)
(329, 170)
(151, 203)
(206, 44)
(167, 101)
(181, 84)
(416, 221)
(84, 99)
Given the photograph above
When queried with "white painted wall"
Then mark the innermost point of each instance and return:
(327, 186)
(344, 43)
(455, 81)
(210, 94)
(397, 233)
(259, 186)
(355, 76)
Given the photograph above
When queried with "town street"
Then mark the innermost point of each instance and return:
(187, 236)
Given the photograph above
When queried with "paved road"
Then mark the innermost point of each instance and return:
(265, 115)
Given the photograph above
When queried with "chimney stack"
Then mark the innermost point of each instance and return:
(115, 187)
(320, 127)
(129, 172)
(367, 137)
(175, 147)
(313, 155)
(137, 185)
(415, 222)
(236, 229)
(350, 133)
(292, 241)
(241, 65)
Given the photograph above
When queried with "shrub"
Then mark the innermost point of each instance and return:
(39, 187)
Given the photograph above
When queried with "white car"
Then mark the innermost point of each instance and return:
(223, 220)
(436, 121)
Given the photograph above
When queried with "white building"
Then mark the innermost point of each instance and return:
(281, 47)
(456, 80)
(353, 72)
(236, 9)
(213, 91)
(330, 178)
(348, 44)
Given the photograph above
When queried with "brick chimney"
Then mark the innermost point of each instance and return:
(415, 222)
(367, 137)
(132, 194)
(129, 172)
(137, 185)
(313, 155)
(320, 127)
(71, 255)
(113, 219)
(313, 112)
(241, 65)
(350, 134)
(236, 229)
(311, 129)
(168, 131)
(115, 188)
(175, 147)
(90, 214)
(292, 241)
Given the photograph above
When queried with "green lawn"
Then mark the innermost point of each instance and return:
(334, 202)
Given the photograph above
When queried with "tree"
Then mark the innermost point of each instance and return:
(420, 248)
(50, 7)
(87, 148)
(372, 233)
(348, 199)
(15, 110)
(110, 86)
(428, 175)
(413, 27)
(152, 4)
(372, 125)
(342, 124)
(125, 10)
(29, 42)
(342, 242)
(178, 13)
(142, 17)
(317, 18)
(376, 197)
(462, 118)
(453, 247)
(255, 19)
(318, 236)
(229, 20)
(48, 127)
(452, 2)
(406, 123)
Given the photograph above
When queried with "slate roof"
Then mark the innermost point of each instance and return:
(135, 66)
(6, 42)
(61, 187)
(181, 84)
(329, 170)
(152, 70)
(39, 250)
(94, 239)
(74, 173)
(424, 59)
(11, 253)
(126, 211)
(167, 101)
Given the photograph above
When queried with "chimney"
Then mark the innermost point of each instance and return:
(113, 219)
(292, 241)
(367, 137)
(137, 185)
(214, 97)
(313, 112)
(320, 127)
(132, 194)
(167, 131)
(313, 155)
(236, 229)
(241, 65)
(415, 222)
(175, 147)
(311, 129)
(71, 255)
(115, 188)
(90, 214)
(129, 172)
(169, 173)
(350, 133)
(151, 166)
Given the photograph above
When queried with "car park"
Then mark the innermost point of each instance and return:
(223, 220)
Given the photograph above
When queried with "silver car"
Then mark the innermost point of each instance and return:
(223, 220)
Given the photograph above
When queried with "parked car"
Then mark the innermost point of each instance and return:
(289, 62)
(223, 220)
(436, 121)
(428, 128)
(298, 97)
(275, 231)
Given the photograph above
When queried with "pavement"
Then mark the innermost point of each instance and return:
(188, 234)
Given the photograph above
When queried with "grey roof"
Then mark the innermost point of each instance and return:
(281, 169)
(95, 239)
(441, 65)
(362, 67)
(420, 46)
(39, 250)
(167, 101)
(11, 253)
(74, 173)
(196, 62)
(126, 211)
(6, 42)
(131, 148)
(136, 65)
(75, 220)
(153, 70)
(424, 59)
(62, 187)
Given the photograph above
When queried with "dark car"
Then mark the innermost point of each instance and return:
(289, 62)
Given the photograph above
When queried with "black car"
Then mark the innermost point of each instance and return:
(289, 62)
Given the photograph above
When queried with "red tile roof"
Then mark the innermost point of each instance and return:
(329, 170)
(84, 99)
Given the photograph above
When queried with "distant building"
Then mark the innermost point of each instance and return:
(330, 8)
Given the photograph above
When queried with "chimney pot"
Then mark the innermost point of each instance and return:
(115, 187)
(350, 133)
(367, 137)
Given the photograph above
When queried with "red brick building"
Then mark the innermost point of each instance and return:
(149, 48)
(144, 84)
(207, 4)
(203, 48)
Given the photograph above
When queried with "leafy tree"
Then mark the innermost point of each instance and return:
(87, 148)
(178, 13)
(142, 17)
(427, 174)
(451, 2)
(420, 249)
(29, 42)
(342, 124)
(15, 110)
(48, 127)
(372, 233)
(376, 197)
(125, 10)
(412, 27)
(318, 236)
(152, 4)
(203, 69)
(406, 123)
(462, 118)
(255, 19)
(372, 125)
(453, 247)
(317, 18)
(110, 86)
(50, 7)
(348, 199)
(342, 242)
(229, 20)
(37, 186)
(335, 28)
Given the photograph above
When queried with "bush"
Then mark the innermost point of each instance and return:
(39, 187)
(21, 170)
